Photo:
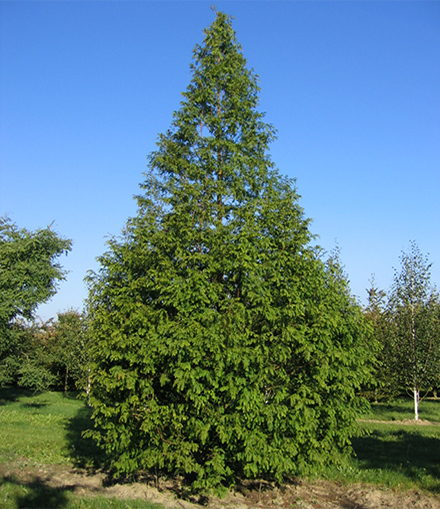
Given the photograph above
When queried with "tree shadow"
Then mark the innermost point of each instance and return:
(379, 408)
(37, 494)
(408, 452)
(84, 451)
(12, 395)
(34, 405)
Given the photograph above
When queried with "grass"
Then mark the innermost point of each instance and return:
(45, 430)
(34, 428)
(402, 409)
(38, 430)
(394, 454)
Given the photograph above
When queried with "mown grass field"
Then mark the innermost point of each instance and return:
(38, 431)
(45, 430)
(396, 452)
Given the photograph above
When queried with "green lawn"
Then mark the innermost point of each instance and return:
(38, 428)
(45, 429)
(402, 409)
(394, 454)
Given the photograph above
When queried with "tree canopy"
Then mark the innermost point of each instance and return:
(223, 344)
(413, 314)
(29, 274)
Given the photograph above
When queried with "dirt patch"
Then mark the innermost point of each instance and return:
(405, 422)
(301, 494)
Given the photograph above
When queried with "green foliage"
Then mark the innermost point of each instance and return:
(406, 323)
(385, 384)
(52, 354)
(29, 271)
(71, 351)
(223, 344)
(29, 274)
(414, 305)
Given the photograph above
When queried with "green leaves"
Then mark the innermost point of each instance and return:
(406, 325)
(28, 268)
(223, 345)
(29, 273)
(413, 310)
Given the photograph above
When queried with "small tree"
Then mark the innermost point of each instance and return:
(413, 310)
(223, 345)
(382, 383)
(35, 358)
(29, 274)
(71, 348)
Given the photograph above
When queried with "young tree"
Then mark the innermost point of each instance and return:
(35, 357)
(374, 313)
(223, 345)
(29, 274)
(413, 309)
(71, 349)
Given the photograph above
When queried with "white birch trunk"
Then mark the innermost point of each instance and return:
(416, 404)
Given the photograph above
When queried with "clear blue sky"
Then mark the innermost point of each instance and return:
(352, 87)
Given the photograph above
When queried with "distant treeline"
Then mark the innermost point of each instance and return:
(48, 355)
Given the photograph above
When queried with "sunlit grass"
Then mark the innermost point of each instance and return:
(403, 409)
(33, 427)
(393, 454)
(45, 429)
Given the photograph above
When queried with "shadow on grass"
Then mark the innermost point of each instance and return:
(84, 451)
(380, 408)
(34, 405)
(35, 494)
(11, 395)
(410, 453)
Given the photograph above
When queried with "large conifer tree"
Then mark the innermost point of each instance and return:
(223, 345)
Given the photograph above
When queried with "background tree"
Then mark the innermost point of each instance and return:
(71, 350)
(53, 354)
(413, 309)
(385, 383)
(223, 345)
(29, 274)
(35, 357)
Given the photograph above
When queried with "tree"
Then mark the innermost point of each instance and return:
(413, 309)
(71, 350)
(52, 354)
(35, 356)
(223, 344)
(29, 274)
(385, 383)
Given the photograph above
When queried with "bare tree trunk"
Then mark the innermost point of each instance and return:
(416, 404)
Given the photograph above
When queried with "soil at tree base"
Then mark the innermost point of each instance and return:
(318, 494)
